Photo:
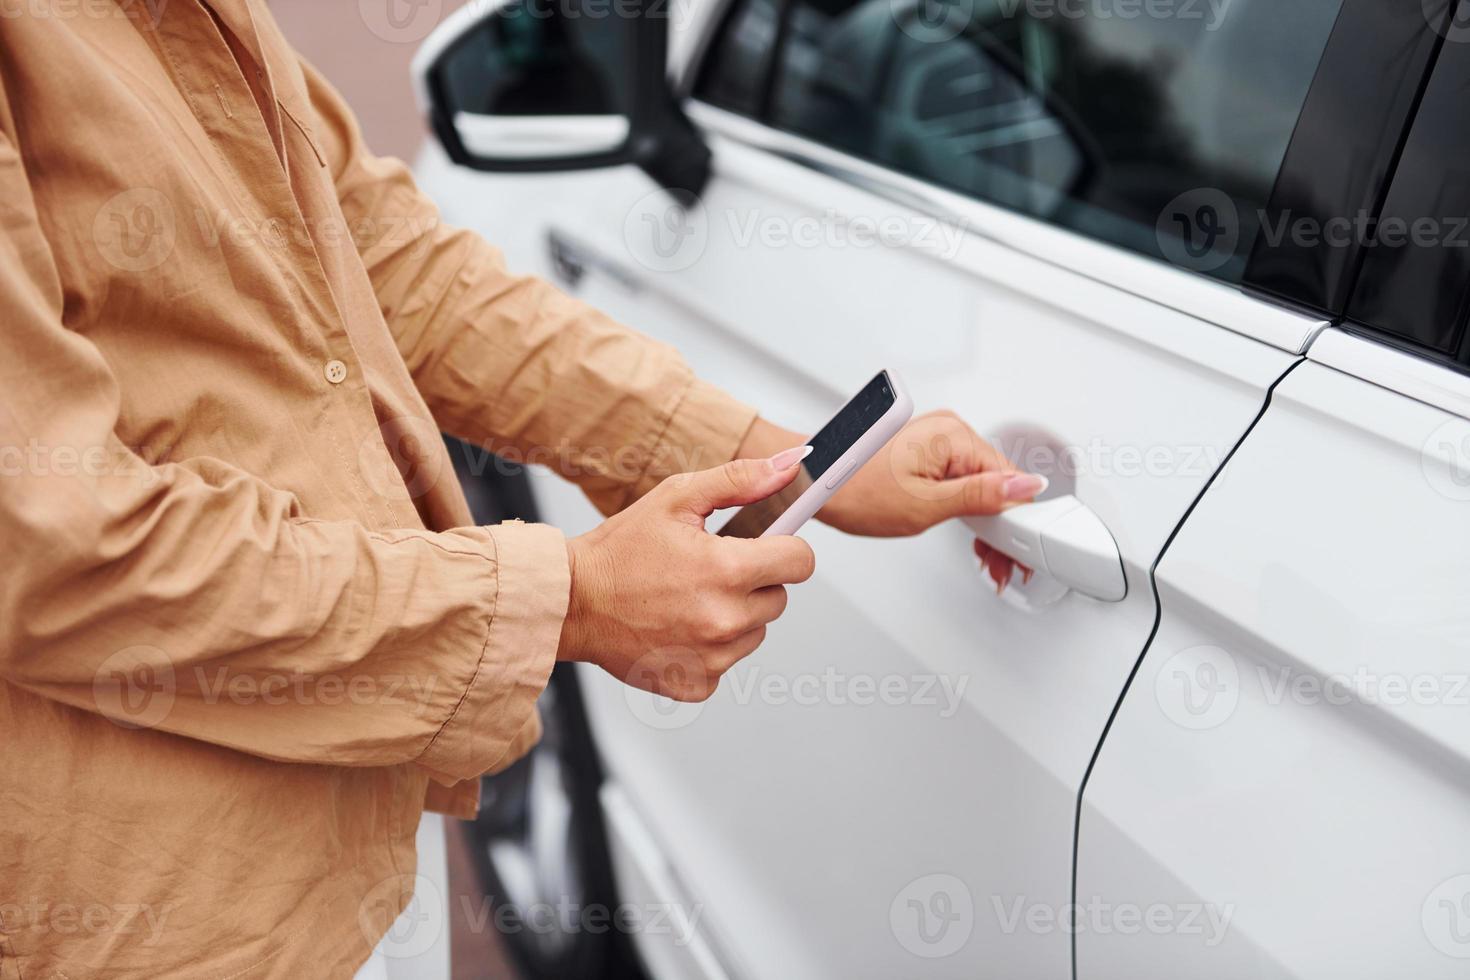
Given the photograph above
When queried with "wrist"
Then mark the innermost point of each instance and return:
(765, 439)
(571, 646)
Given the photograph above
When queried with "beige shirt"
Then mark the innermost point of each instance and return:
(245, 628)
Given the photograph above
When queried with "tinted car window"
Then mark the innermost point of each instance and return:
(538, 58)
(1162, 133)
(1415, 282)
(734, 74)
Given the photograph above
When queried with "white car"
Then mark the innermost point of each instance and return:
(1206, 266)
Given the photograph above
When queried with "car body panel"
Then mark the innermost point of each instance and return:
(989, 804)
(1292, 756)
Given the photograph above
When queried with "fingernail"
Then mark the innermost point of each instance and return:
(1024, 486)
(788, 458)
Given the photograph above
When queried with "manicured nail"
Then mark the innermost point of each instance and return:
(1024, 486)
(788, 458)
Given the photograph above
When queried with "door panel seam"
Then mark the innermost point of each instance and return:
(1148, 643)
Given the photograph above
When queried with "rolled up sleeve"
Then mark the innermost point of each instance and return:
(496, 717)
(193, 598)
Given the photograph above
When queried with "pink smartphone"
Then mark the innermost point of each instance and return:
(853, 437)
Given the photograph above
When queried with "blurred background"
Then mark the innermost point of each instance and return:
(365, 49)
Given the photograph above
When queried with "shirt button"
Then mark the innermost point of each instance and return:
(335, 371)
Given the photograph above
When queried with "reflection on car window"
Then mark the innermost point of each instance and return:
(1162, 132)
(736, 67)
(534, 58)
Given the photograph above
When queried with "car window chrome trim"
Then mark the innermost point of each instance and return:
(1397, 370)
(1194, 295)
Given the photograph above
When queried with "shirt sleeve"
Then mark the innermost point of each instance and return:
(193, 598)
(512, 363)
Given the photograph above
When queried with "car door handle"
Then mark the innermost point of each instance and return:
(571, 260)
(1062, 538)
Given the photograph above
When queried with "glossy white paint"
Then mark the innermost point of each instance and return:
(1178, 289)
(762, 802)
(1294, 752)
(1425, 381)
(821, 829)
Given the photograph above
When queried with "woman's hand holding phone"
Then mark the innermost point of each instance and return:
(660, 603)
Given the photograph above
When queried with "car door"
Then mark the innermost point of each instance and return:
(890, 786)
(1284, 792)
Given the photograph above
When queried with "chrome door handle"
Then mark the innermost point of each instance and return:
(1062, 538)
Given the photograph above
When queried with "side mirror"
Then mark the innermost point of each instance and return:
(533, 86)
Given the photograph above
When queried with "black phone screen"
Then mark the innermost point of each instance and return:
(828, 445)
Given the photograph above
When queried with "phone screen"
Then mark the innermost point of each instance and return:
(828, 445)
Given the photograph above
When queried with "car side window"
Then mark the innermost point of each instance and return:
(735, 72)
(1162, 132)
